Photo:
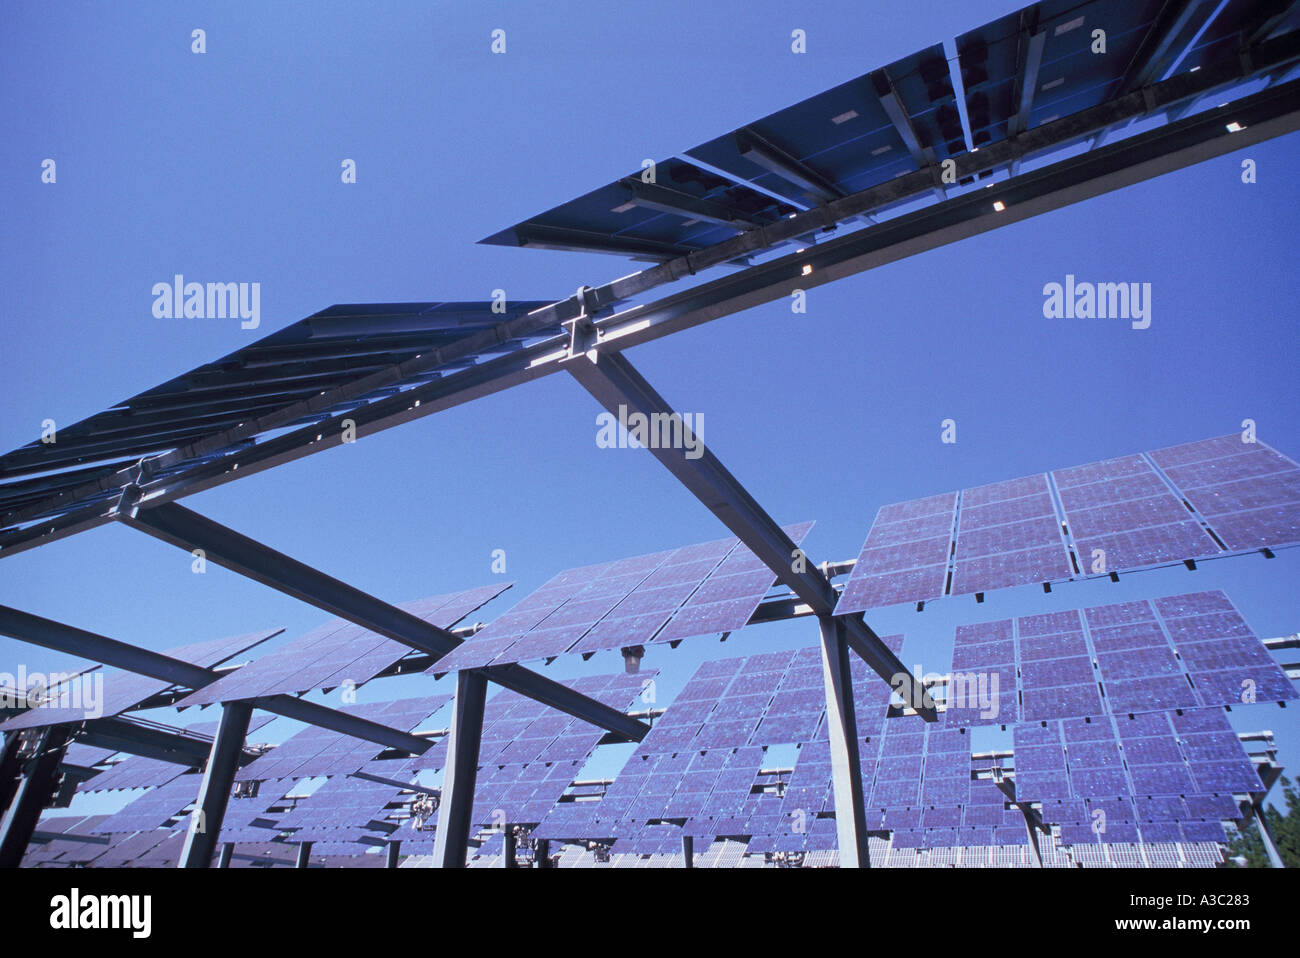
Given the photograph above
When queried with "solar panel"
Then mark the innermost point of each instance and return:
(121, 691)
(317, 751)
(665, 596)
(342, 809)
(336, 652)
(865, 133)
(154, 808)
(1195, 501)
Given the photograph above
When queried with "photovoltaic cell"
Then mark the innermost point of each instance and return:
(1194, 501)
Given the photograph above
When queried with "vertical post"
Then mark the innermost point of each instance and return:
(846, 764)
(11, 769)
(304, 855)
(688, 851)
(509, 848)
(40, 776)
(1265, 835)
(392, 852)
(214, 792)
(451, 842)
(227, 852)
(542, 853)
(1032, 832)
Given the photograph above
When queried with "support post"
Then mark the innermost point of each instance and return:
(304, 855)
(509, 848)
(688, 851)
(542, 853)
(40, 776)
(1032, 832)
(846, 764)
(451, 843)
(227, 852)
(1266, 835)
(392, 851)
(214, 792)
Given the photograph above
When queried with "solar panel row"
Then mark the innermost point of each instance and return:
(337, 652)
(1194, 501)
(666, 596)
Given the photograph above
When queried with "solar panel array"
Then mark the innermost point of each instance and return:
(337, 652)
(125, 690)
(317, 751)
(139, 771)
(1185, 651)
(1153, 777)
(343, 809)
(155, 807)
(699, 589)
(1097, 519)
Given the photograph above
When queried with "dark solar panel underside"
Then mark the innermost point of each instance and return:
(336, 652)
(1194, 501)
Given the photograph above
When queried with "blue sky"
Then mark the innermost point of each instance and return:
(225, 166)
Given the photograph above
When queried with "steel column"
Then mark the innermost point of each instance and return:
(846, 763)
(451, 843)
(40, 777)
(509, 848)
(392, 851)
(304, 855)
(214, 791)
(688, 851)
(227, 852)
(542, 853)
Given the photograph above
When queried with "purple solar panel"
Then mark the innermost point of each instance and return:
(336, 652)
(121, 691)
(1249, 492)
(153, 809)
(1123, 514)
(697, 589)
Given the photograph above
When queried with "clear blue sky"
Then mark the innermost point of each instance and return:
(225, 166)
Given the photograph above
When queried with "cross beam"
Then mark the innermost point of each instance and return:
(614, 383)
(188, 530)
(64, 638)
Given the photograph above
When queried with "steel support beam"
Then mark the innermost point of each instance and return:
(772, 158)
(304, 855)
(40, 778)
(455, 812)
(688, 851)
(542, 853)
(214, 791)
(65, 638)
(227, 852)
(125, 735)
(342, 722)
(509, 848)
(616, 385)
(652, 196)
(180, 527)
(846, 764)
(392, 852)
